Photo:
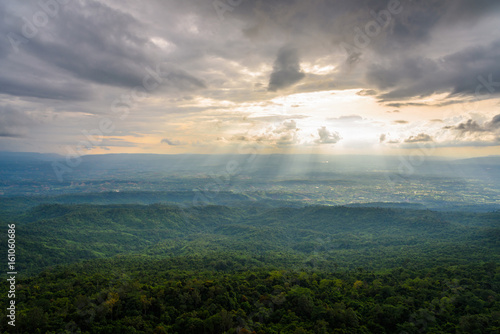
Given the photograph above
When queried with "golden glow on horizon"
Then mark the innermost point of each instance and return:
(223, 126)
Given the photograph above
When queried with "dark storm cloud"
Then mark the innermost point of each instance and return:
(92, 41)
(469, 10)
(415, 21)
(86, 42)
(396, 68)
(318, 26)
(286, 69)
(473, 71)
(97, 43)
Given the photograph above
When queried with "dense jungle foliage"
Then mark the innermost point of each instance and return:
(216, 269)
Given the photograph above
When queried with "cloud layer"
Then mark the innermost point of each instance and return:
(179, 76)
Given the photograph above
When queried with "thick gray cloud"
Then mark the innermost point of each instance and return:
(110, 43)
(473, 72)
(85, 43)
(96, 43)
(286, 69)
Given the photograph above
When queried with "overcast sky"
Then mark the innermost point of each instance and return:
(283, 76)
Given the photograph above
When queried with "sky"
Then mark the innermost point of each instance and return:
(229, 76)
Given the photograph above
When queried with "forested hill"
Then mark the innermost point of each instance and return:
(316, 270)
(235, 238)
